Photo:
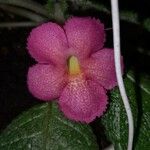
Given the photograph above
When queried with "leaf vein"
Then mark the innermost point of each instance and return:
(21, 138)
(22, 124)
(65, 123)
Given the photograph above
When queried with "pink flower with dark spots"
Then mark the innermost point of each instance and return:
(72, 66)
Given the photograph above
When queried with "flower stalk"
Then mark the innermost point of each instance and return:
(116, 39)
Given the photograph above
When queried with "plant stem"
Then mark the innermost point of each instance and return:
(116, 39)
(28, 4)
(23, 12)
(58, 13)
(17, 24)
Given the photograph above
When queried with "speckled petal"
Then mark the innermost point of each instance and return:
(101, 68)
(85, 35)
(45, 82)
(82, 100)
(47, 43)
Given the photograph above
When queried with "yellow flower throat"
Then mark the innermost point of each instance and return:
(74, 66)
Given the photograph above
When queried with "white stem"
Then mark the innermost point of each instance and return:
(116, 40)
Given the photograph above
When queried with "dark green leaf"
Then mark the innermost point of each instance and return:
(57, 9)
(28, 4)
(115, 120)
(146, 24)
(44, 128)
(126, 15)
(129, 16)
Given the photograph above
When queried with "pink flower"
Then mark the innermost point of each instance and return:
(72, 66)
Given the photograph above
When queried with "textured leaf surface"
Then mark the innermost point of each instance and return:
(44, 128)
(115, 120)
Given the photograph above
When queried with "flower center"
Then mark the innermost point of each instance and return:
(73, 66)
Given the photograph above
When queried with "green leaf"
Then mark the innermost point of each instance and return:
(115, 120)
(28, 4)
(125, 15)
(129, 16)
(44, 128)
(142, 140)
(146, 24)
(57, 9)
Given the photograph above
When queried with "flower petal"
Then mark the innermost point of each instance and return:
(45, 82)
(47, 43)
(83, 100)
(84, 35)
(101, 68)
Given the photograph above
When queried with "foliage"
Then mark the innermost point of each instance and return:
(44, 127)
(115, 120)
